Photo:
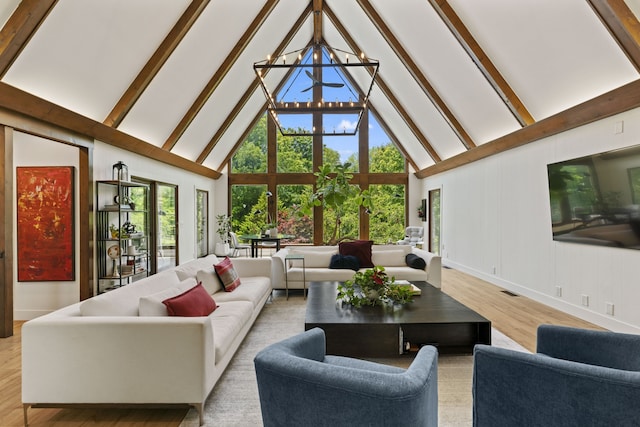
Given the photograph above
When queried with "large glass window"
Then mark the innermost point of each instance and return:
(434, 221)
(387, 217)
(251, 156)
(248, 209)
(294, 154)
(202, 222)
(290, 198)
(167, 230)
(270, 179)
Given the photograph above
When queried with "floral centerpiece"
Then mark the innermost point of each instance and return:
(373, 287)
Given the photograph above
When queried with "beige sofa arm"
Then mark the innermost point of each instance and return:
(252, 267)
(434, 266)
(278, 270)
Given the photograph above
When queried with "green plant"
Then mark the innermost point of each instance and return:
(224, 227)
(373, 287)
(333, 190)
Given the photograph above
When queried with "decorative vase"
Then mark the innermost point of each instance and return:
(222, 249)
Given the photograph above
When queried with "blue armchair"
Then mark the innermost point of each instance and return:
(577, 378)
(301, 386)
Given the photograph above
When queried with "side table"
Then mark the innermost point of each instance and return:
(291, 258)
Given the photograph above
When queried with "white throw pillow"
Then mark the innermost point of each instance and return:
(313, 259)
(209, 279)
(151, 305)
(393, 258)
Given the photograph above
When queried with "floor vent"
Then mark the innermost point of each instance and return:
(511, 294)
(447, 267)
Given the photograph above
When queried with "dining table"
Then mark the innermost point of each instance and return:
(257, 239)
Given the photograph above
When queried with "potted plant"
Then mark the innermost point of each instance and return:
(224, 227)
(333, 190)
(373, 287)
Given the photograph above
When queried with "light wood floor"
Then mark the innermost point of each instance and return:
(517, 317)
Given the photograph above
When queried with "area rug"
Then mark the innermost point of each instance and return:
(234, 400)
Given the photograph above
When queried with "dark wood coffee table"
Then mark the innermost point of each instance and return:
(432, 318)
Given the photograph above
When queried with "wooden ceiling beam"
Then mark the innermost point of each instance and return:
(317, 21)
(622, 24)
(385, 88)
(19, 28)
(21, 102)
(417, 74)
(252, 88)
(220, 74)
(617, 101)
(482, 61)
(155, 63)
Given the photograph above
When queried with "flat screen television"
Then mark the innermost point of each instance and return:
(596, 199)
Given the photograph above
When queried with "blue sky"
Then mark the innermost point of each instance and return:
(294, 92)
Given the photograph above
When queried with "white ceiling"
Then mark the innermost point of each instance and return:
(554, 54)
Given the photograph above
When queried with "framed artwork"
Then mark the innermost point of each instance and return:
(45, 223)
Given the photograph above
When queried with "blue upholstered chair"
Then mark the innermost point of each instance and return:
(301, 386)
(577, 378)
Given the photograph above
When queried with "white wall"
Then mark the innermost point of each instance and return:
(496, 225)
(32, 299)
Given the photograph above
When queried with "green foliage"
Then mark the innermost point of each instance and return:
(294, 154)
(385, 158)
(335, 193)
(373, 287)
(251, 156)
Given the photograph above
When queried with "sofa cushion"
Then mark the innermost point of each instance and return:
(414, 261)
(228, 321)
(344, 262)
(313, 258)
(195, 302)
(191, 268)
(254, 289)
(124, 301)
(227, 275)
(210, 280)
(151, 305)
(389, 258)
(360, 249)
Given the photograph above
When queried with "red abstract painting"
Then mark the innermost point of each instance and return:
(45, 238)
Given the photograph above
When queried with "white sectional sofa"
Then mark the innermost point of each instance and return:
(317, 260)
(116, 349)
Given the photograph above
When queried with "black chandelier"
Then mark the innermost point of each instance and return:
(317, 79)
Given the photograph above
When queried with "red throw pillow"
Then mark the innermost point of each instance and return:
(227, 274)
(195, 302)
(361, 249)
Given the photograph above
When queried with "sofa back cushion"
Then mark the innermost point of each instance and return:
(151, 305)
(313, 258)
(210, 280)
(389, 258)
(191, 268)
(124, 301)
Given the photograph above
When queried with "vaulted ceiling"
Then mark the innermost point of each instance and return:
(459, 80)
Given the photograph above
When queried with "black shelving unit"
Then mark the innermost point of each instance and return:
(122, 233)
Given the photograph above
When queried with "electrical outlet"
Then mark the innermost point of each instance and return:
(609, 306)
(558, 291)
(619, 127)
(585, 300)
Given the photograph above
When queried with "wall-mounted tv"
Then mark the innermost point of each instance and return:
(596, 199)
